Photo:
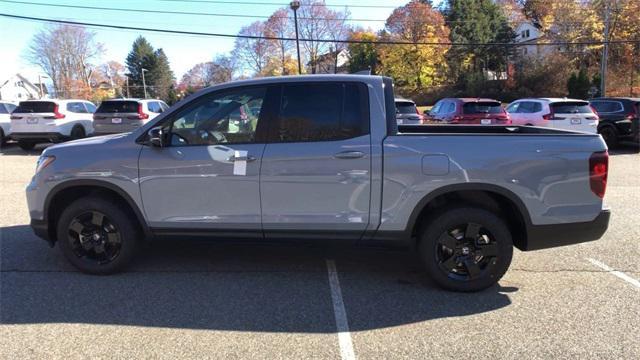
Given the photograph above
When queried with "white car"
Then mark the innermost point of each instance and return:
(6, 108)
(558, 113)
(38, 121)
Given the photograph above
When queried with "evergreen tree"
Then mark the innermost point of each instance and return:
(141, 56)
(161, 77)
(477, 21)
(579, 85)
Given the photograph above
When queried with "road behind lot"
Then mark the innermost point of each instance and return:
(257, 301)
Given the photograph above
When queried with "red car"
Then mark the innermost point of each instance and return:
(469, 111)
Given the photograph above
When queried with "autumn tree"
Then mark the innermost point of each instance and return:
(414, 66)
(209, 73)
(363, 56)
(251, 49)
(280, 26)
(321, 27)
(66, 54)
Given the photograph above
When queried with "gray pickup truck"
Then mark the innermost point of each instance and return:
(322, 158)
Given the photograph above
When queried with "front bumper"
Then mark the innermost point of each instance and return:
(548, 236)
(41, 229)
(39, 136)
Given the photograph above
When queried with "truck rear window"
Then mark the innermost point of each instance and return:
(571, 107)
(405, 107)
(482, 107)
(35, 107)
(118, 107)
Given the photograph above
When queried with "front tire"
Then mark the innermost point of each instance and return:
(97, 236)
(466, 249)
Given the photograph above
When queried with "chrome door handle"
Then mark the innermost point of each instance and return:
(247, 158)
(349, 155)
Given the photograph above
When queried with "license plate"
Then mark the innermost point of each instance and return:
(485, 121)
(576, 121)
(32, 120)
(116, 121)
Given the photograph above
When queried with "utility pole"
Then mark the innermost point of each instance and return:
(295, 5)
(144, 84)
(605, 49)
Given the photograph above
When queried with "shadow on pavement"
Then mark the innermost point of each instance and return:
(12, 149)
(231, 287)
(625, 149)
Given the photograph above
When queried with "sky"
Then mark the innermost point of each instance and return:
(183, 51)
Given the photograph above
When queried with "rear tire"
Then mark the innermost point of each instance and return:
(610, 136)
(466, 249)
(3, 140)
(97, 236)
(26, 145)
(77, 133)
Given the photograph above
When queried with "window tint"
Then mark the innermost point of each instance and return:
(514, 108)
(10, 107)
(482, 107)
(90, 107)
(571, 107)
(35, 107)
(405, 107)
(529, 107)
(451, 107)
(607, 106)
(76, 107)
(3, 110)
(322, 111)
(436, 108)
(154, 107)
(118, 107)
(220, 118)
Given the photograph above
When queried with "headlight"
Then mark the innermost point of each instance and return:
(44, 161)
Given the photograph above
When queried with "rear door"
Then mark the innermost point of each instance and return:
(117, 116)
(574, 116)
(315, 176)
(34, 117)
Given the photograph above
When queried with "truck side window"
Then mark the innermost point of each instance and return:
(227, 117)
(322, 112)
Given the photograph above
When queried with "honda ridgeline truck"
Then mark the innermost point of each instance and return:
(322, 157)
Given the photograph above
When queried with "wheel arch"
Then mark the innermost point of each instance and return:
(64, 194)
(490, 197)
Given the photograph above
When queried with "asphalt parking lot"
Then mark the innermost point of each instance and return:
(227, 300)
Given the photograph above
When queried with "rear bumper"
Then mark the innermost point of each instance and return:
(39, 136)
(548, 236)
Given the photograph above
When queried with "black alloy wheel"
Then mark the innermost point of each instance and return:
(93, 237)
(466, 251)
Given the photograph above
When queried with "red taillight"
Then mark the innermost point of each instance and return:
(56, 113)
(598, 170)
(141, 114)
(594, 110)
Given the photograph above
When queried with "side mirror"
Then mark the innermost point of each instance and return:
(156, 136)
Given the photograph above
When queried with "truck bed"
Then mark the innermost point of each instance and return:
(485, 129)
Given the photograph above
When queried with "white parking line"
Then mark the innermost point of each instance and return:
(617, 273)
(344, 337)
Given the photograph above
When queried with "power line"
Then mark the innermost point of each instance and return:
(278, 4)
(260, 37)
(191, 13)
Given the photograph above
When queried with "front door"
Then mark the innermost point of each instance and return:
(207, 176)
(316, 177)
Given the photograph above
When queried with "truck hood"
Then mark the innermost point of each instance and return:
(95, 140)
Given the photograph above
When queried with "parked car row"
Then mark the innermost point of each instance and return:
(54, 120)
(616, 119)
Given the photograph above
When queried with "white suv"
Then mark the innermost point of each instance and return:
(37, 121)
(6, 108)
(559, 113)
